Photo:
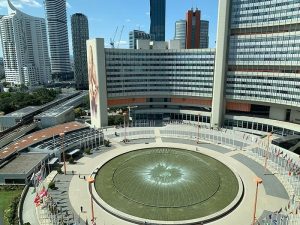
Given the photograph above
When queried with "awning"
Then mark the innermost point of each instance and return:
(53, 161)
(73, 152)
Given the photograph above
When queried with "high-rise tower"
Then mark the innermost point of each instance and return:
(137, 35)
(204, 36)
(193, 29)
(158, 19)
(80, 34)
(58, 37)
(25, 48)
(180, 32)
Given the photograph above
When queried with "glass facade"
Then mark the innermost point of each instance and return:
(264, 52)
(159, 72)
(204, 34)
(137, 35)
(158, 19)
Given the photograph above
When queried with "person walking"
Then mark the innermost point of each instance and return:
(81, 208)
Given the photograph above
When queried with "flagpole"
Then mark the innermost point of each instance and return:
(267, 153)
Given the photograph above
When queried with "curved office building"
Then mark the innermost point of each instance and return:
(58, 36)
(251, 81)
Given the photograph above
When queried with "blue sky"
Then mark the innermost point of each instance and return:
(105, 15)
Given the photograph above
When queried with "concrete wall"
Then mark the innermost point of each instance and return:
(295, 116)
(277, 113)
(218, 104)
(97, 82)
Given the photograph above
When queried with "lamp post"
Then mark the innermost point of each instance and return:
(267, 152)
(62, 135)
(129, 108)
(258, 181)
(198, 139)
(91, 181)
(124, 114)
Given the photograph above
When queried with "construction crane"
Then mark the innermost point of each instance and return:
(120, 35)
(112, 41)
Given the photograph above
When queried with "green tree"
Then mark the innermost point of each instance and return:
(79, 112)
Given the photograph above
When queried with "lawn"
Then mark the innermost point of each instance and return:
(6, 196)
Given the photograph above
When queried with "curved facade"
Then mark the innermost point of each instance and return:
(180, 32)
(250, 81)
(25, 48)
(58, 36)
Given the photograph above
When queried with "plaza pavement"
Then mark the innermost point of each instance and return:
(268, 201)
(272, 195)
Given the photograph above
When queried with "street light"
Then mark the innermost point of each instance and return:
(62, 135)
(258, 181)
(91, 181)
(124, 114)
(198, 128)
(130, 107)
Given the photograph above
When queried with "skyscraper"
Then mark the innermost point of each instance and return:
(80, 34)
(158, 19)
(193, 29)
(25, 48)
(204, 36)
(136, 35)
(180, 32)
(58, 37)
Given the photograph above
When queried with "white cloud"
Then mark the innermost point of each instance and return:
(68, 5)
(21, 3)
(31, 3)
(3, 4)
(128, 20)
(121, 43)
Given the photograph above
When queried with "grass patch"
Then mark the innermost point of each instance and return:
(7, 195)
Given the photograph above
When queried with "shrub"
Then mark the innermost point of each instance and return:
(71, 160)
(59, 170)
(51, 185)
(106, 143)
(87, 151)
(11, 214)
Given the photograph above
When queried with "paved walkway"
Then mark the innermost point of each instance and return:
(79, 195)
(29, 213)
(72, 193)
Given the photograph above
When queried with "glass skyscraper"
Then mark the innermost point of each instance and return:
(80, 33)
(158, 19)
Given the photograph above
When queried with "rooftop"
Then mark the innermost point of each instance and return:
(39, 136)
(55, 111)
(23, 164)
(23, 112)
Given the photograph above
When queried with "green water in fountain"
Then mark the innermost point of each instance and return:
(166, 184)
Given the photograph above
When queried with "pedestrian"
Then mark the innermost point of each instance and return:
(84, 177)
(81, 208)
(79, 175)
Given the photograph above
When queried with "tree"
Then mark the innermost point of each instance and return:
(79, 112)
(107, 143)
(51, 185)
(71, 160)
(87, 151)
